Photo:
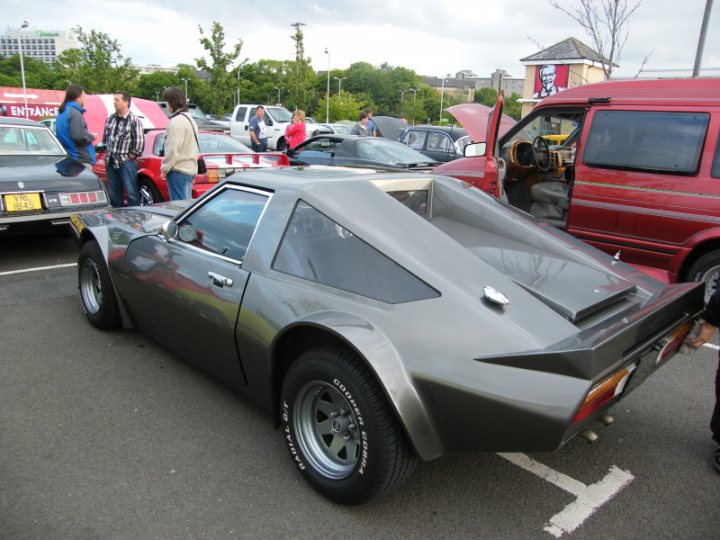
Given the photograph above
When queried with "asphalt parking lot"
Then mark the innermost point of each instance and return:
(107, 435)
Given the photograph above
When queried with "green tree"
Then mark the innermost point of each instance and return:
(152, 85)
(300, 77)
(98, 64)
(343, 106)
(217, 94)
(512, 107)
(37, 73)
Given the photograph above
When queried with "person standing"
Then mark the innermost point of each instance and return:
(124, 142)
(71, 128)
(706, 331)
(296, 132)
(371, 127)
(361, 128)
(179, 164)
(258, 140)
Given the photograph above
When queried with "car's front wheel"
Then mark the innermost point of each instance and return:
(149, 192)
(281, 145)
(97, 294)
(340, 431)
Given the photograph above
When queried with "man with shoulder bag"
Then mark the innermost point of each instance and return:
(180, 159)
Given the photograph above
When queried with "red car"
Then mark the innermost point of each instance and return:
(223, 156)
(631, 167)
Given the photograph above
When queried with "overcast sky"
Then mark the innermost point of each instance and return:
(431, 37)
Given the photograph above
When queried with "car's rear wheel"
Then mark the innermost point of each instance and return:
(339, 428)
(149, 192)
(97, 294)
(706, 269)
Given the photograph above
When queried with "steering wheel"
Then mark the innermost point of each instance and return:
(541, 153)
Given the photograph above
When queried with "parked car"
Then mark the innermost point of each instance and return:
(631, 167)
(382, 317)
(354, 151)
(340, 129)
(223, 155)
(277, 119)
(40, 184)
(442, 143)
(48, 123)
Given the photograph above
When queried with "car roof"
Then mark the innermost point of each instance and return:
(6, 120)
(702, 91)
(455, 132)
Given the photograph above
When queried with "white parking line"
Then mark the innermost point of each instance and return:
(37, 269)
(711, 346)
(588, 498)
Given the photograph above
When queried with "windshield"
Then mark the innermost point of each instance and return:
(389, 152)
(279, 114)
(27, 140)
(210, 143)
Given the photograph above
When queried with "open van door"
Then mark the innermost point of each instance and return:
(480, 167)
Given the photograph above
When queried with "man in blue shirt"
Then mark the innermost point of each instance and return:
(256, 127)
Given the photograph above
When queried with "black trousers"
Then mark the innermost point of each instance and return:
(715, 420)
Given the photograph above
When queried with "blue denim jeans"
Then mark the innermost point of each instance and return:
(123, 178)
(179, 185)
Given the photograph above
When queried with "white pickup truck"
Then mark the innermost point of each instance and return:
(276, 119)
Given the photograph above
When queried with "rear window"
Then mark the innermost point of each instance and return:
(669, 142)
(318, 249)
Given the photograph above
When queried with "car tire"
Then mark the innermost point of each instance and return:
(149, 192)
(706, 269)
(97, 294)
(340, 431)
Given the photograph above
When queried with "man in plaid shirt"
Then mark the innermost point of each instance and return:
(124, 141)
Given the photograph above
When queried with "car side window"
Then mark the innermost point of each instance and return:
(225, 224)
(715, 173)
(240, 114)
(415, 139)
(320, 145)
(159, 145)
(439, 142)
(669, 142)
(316, 248)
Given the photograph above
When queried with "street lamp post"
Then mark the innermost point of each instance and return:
(414, 91)
(327, 94)
(187, 98)
(278, 88)
(339, 80)
(402, 97)
(442, 96)
(22, 66)
(157, 96)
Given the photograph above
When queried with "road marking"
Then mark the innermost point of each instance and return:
(711, 346)
(37, 269)
(587, 498)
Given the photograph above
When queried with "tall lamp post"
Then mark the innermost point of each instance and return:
(278, 88)
(402, 97)
(22, 66)
(157, 96)
(339, 80)
(327, 95)
(187, 98)
(414, 91)
(442, 95)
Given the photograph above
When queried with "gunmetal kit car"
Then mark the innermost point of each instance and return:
(382, 317)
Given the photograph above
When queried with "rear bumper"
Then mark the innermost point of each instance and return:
(45, 220)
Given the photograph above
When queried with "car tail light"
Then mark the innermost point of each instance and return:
(604, 392)
(81, 198)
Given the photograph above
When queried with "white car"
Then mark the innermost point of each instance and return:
(277, 119)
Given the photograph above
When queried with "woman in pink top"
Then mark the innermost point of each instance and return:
(295, 132)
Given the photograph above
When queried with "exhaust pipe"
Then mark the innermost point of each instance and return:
(589, 435)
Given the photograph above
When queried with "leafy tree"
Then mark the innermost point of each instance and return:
(512, 107)
(37, 73)
(343, 106)
(217, 95)
(98, 64)
(605, 22)
(152, 85)
(300, 77)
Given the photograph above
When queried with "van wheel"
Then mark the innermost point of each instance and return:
(281, 145)
(706, 269)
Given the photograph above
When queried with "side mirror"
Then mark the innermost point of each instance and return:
(169, 230)
(161, 152)
(475, 150)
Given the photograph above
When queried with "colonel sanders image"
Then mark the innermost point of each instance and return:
(549, 80)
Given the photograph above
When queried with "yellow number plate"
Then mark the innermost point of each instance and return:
(22, 202)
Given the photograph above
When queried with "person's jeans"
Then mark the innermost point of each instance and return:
(715, 420)
(123, 178)
(179, 185)
(262, 147)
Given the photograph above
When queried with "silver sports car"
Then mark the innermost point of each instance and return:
(380, 318)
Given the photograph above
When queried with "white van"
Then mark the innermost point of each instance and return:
(276, 119)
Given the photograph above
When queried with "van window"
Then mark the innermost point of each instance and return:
(715, 173)
(240, 114)
(657, 141)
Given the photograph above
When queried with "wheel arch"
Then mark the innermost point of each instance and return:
(373, 349)
(707, 242)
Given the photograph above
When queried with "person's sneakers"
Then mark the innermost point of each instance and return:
(716, 460)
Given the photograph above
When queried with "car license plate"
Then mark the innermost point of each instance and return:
(22, 202)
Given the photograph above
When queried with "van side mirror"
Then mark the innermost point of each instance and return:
(475, 149)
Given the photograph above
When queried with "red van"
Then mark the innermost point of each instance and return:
(631, 167)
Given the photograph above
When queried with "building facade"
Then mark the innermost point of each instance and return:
(43, 45)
